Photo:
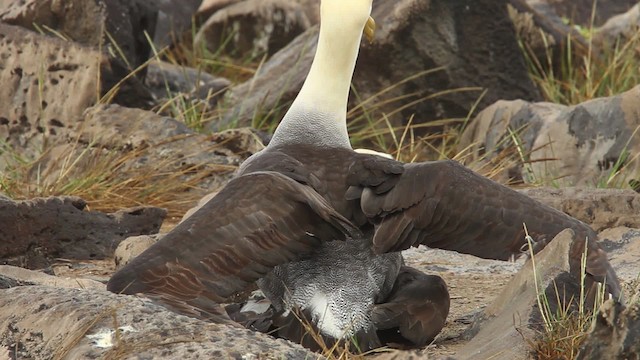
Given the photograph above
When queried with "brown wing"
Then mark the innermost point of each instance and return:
(416, 309)
(256, 222)
(444, 205)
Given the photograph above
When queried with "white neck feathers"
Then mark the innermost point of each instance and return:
(321, 105)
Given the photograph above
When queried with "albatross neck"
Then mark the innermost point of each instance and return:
(318, 114)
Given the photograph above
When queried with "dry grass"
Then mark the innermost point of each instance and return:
(107, 179)
(600, 72)
(567, 323)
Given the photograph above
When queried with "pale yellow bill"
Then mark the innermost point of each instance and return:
(370, 29)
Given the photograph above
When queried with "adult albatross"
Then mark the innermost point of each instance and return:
(319, 226)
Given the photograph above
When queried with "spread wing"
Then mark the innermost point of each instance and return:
(256, 222)
(444, 205)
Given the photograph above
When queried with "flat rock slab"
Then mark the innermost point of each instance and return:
(11, 276)
(35, 231)
(39, 322)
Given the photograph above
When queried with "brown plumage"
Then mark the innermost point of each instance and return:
(318, 226)
(415, 310)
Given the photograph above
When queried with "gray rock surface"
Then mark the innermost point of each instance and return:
(166, 80)
(514, 317)
(11, 276)
(39, 322)
(621, 27)
(253, 27)
(36, 70)
(564, 145)
(580, 11)
(131, 247)
(36, 231)
(600, 208)
(413, 36)
(615, 334)
(174, 18)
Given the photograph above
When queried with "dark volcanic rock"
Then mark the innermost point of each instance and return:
(35, 231)
(51, 323)
(165, 80)
(473, 42)
(253, 27)
(580, 11)
(174, 17)
(615, 334)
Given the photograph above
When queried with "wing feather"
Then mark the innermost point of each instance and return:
(444, 205)
(259, 220)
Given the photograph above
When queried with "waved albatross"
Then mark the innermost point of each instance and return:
(320, 226)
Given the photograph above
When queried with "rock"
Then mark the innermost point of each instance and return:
(38, 230)
(513, 317)
(615, 334)
(621, 27)
(580, 11)
(116, 24)
(622, 245)
(413, 36)
(585, 144)
(174, 17)
(545, 36)
(131, 247)
(253, 27)
(36, 70)
(56, 323)
(165, 80)
(11, 276)
(210, 7)
(600, 208)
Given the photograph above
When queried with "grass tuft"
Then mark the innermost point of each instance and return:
(565, 325)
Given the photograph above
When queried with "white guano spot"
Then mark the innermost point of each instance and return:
(103, 339)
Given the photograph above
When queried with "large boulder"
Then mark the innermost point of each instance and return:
(174, 17)
(472, 41)
(119, 24)
(36, 231)
(166, 81)
(36, 71)
(587, 144)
